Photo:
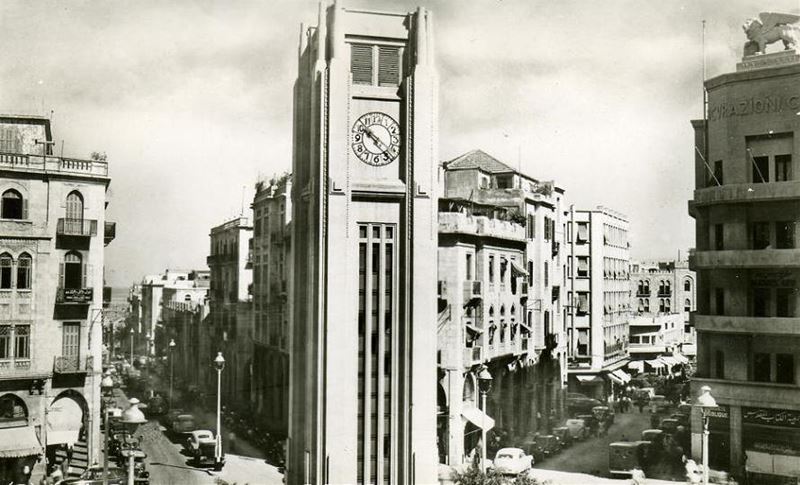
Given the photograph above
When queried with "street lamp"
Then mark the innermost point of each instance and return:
(171, 365)
(131, 346)
(132, 418)
(107, 385)
(706, 402)
(484, 385)
(219, 363)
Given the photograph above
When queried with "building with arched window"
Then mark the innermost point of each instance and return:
(53, 233)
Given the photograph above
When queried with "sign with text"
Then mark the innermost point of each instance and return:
(75, 295)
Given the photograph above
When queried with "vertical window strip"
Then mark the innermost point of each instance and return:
(387, 359)
(22, 342)
(375, 274)
(362, 317)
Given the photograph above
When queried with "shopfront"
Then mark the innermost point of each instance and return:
(771, 443)
(719, 437)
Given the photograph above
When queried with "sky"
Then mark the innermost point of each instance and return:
(191, 101)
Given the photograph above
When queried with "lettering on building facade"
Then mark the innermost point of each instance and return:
(754, 105)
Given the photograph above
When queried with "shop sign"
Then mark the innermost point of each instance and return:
(719, 418)
(771, 417)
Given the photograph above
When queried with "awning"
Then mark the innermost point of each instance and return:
(473, 328)
(19, 442)
(515, 267)
(689, 350)
(616, 380)
(478, 418)
(64, 422)
(589, 378)
(636, 365)
(680, 358)
(622, 375)
(670, 361)
(656, 363)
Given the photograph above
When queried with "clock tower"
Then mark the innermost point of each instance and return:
(363, 343)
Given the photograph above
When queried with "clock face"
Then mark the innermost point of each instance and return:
(375, 138)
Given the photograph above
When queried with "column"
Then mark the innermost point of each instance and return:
(736, 451)
(454, 385)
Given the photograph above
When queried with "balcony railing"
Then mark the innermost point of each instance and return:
(72, 364)
(76, 227)
(78, 296)
(39, 163)
(473, 290)
(110, 232)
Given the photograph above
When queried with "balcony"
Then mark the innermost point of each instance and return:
(441, 290)
(72, 364)
(747, 325)
(472, 356)
(473, 290)
(76, 227)
(642, 294)
(746, 258)
(772, 191)
(110, 232)
(74, 296)
(459, 223)
(49, 164)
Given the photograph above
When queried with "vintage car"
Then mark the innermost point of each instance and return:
(590, 421)
(577, 429)
(563, 435)
(683, 419)
(94, 476)
(624, 456)
(581, 405)
(183, 424)
(512, 461)
(654, 436)
(168, 418)
(659, 404)
(685, 408)
(603, 413)
(543, 446)
(156, 405)
(201, 445)
(669, 425)
(196, 438)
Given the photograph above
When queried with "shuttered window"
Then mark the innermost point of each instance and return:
(361, 63)
(388, 65)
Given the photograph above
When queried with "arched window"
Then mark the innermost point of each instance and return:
(513, 310)
(74, 219)
(13, 206)
(12, 408)
(687, 285)
(6, 264)
(72, 272)
(24, 272)
(687, 305)
(667, 305)
(187, 298)
(502, 310)
(668, 286)
(661, 287)
(646, 287)
(491, 311)
(661, 305)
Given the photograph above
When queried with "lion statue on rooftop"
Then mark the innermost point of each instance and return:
(768, 28)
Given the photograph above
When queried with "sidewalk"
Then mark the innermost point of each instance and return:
(566, 478)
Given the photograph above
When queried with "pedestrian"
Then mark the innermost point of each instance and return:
(637, 476)
(640, 404)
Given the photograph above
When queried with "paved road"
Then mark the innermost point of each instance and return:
(591, 456)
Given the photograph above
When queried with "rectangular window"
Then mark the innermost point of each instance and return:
(469, 267)
(719, 237)
(783, 168)
(388, 65)
(784, 368)
(583, 266)
(719, 301)
(784, 235)
(760, 169)
(22, 342)
(361, 63)
(583, 303)
(491, 269)
(24, 273)
(760, 233)
(546, 275)
(5, 342)
(583, 342)
(762, 367)
(71, 339)
(717, 174)
(719, 364)
(785, 300)
(583, 232)
(761, 302)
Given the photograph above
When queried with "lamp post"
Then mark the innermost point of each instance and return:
(132, 334)
(171, 365)
(219, 363)
(706, 402)
(107, 385)
(132, 418)
(484, 385)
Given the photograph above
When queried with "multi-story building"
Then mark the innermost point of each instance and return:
(272, 306)
(53, 231)
(746, 206)
(655, 342)
(364, 203)
(482, 291)
(599, 294)
(665, 287)
(531, 368)
(231, 306)
(187, 324)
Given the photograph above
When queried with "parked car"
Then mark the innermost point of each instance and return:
(624, 456)
(576, 395)
(156, 405)
(577, 429)
(543, 446)
(196, 438)
(512, 461)
(669, 425)
(590, 421)
(168, 418)
(582, 405)
(683, 419)
(563, 435)
(659, 404)
(94, 476)
(603, 413)
(184, 423)
(654, 436)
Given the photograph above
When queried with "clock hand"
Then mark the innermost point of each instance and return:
(381, 145)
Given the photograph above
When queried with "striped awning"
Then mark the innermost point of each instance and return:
(636, 365)
(680, 358)
(19, 442)
(477, 417)
(656, 363)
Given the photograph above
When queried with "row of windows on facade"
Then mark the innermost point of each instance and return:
(764, 301)
(509, 329)
(72, 272)
(664, 287)
(762, 235)
(763, 367)
(615, 236)
(14, 206)
(492, 263)
(777, 168)
(664, 305)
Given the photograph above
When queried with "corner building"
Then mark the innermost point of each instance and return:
(746, 206)
(363, 343)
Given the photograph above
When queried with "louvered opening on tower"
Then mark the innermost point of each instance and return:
(365, 57)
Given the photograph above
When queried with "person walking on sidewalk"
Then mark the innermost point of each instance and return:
(231, 442)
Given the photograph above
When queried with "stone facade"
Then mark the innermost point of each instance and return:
(746, 205)
(53, 231)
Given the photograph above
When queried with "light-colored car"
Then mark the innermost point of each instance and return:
(512, 461)
(197, 438)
